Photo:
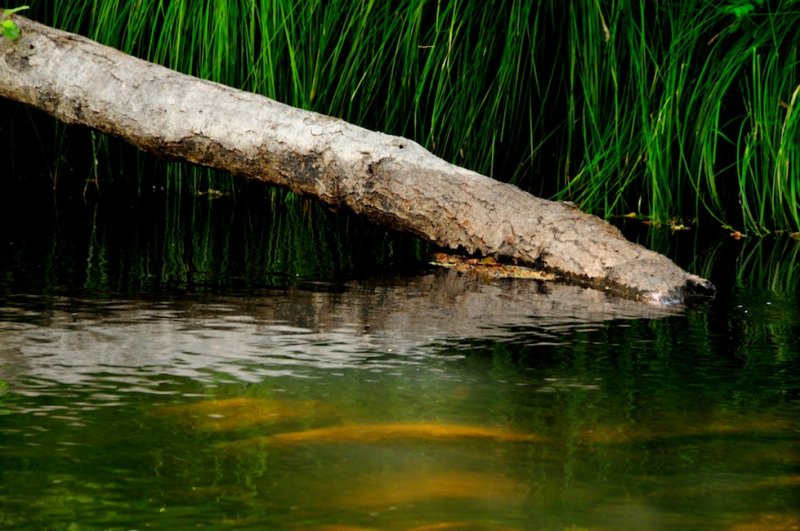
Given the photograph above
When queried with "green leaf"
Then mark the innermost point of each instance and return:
(9, 29)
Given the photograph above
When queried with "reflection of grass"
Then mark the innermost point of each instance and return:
(670, 109)
(248, 239)
(771, 264)
(185, 240)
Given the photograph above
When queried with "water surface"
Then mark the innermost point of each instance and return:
(190, 391)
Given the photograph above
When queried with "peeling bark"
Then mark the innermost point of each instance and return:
(391, 180)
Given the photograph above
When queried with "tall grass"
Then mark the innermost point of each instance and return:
(415, 68)
(678, 109)
(684, 109)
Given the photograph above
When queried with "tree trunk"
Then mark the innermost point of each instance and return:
(391, 180)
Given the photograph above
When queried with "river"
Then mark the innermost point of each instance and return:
(172, 364)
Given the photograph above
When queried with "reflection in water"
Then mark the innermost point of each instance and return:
(361, 324)
(113, 409)
(428, 402)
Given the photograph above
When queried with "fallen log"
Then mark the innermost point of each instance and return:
(391, 180)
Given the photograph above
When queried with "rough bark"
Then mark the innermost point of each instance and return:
(392, 180)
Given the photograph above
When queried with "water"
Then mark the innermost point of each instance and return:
(145, 388)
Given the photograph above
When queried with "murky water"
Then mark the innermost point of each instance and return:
(422, 400)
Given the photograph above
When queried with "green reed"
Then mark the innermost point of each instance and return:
(416, 69)
(673, 110)
(683, 109)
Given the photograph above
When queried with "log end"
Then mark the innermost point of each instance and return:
(694, 289)
(657, 280)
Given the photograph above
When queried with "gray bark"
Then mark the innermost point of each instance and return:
(391, 180)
